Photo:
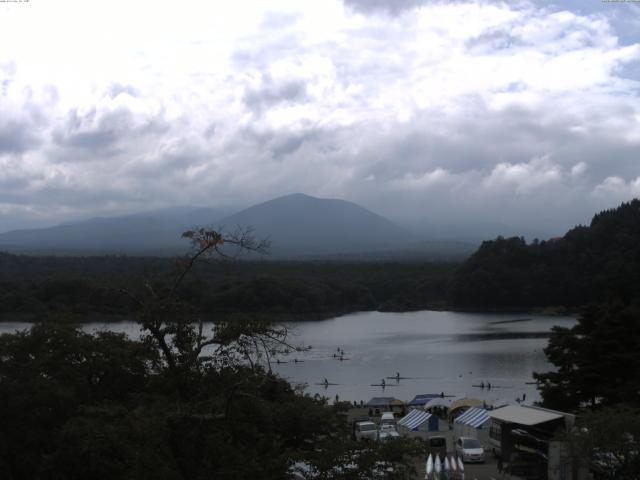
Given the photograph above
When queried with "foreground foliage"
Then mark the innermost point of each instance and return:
(597, 361)
(75, 405)
(607, 441)
(179, 403)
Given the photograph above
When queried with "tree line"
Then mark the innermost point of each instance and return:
(34, 288)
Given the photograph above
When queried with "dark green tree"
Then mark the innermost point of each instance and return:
(180, 403)
(597, 361)
(607, 442)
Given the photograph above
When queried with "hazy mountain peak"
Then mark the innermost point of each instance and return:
(298, 225)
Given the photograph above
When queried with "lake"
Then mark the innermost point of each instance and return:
(439, 351)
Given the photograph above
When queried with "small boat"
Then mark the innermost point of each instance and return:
(453, 464)
(446, 466)
(437, 466)
(429, 467)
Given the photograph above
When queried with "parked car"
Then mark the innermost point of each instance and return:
(365, 431)
(387, 431)
(437, 446)
(469, 449)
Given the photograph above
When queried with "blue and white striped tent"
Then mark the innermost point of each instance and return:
(474, 417)
(473, 423)
(419, 421)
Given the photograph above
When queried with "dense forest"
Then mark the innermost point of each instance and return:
(37, 287)
(589, 264)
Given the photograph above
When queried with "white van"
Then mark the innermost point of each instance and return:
(387, 419)
(365, 431)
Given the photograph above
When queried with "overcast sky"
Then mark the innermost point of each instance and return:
(523, 113)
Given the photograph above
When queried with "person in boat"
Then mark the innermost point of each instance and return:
(382, 382)
(488, 385)
(397, 375)
(326, 382)
(482, 384)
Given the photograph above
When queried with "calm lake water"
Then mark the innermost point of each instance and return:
(439, 351)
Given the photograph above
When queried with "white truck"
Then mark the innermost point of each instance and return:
(365, 431)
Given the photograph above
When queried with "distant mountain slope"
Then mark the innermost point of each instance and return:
(148, 233)
(301, 225)
(587, 265)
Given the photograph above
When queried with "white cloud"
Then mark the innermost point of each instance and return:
(578, 169)
(618, 188)
(121, 106)
(524, 177)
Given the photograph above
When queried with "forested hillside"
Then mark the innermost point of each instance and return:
(35, 287)
(589, 264)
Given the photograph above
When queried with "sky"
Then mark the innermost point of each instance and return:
(522, 113)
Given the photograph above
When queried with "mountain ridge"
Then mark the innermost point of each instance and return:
(298, 225)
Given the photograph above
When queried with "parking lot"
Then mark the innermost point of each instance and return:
(473, 471)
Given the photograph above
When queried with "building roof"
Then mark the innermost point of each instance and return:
(465, 402)
(474, 417)
(438, 402)
(423, 398)
(524, 415)
(383, 401)
(414, 419)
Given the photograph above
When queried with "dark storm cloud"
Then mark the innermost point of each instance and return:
(489, 137)
(273, 93)
(278, 144)
(390, 6)
(17, 137)
(102, 134)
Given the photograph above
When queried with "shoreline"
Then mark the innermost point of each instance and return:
(280, 317)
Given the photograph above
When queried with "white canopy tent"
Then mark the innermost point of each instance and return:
(418, 421)
(473, 423)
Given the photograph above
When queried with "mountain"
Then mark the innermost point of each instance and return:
(588, 264)
(299, 225)
(150, 233)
